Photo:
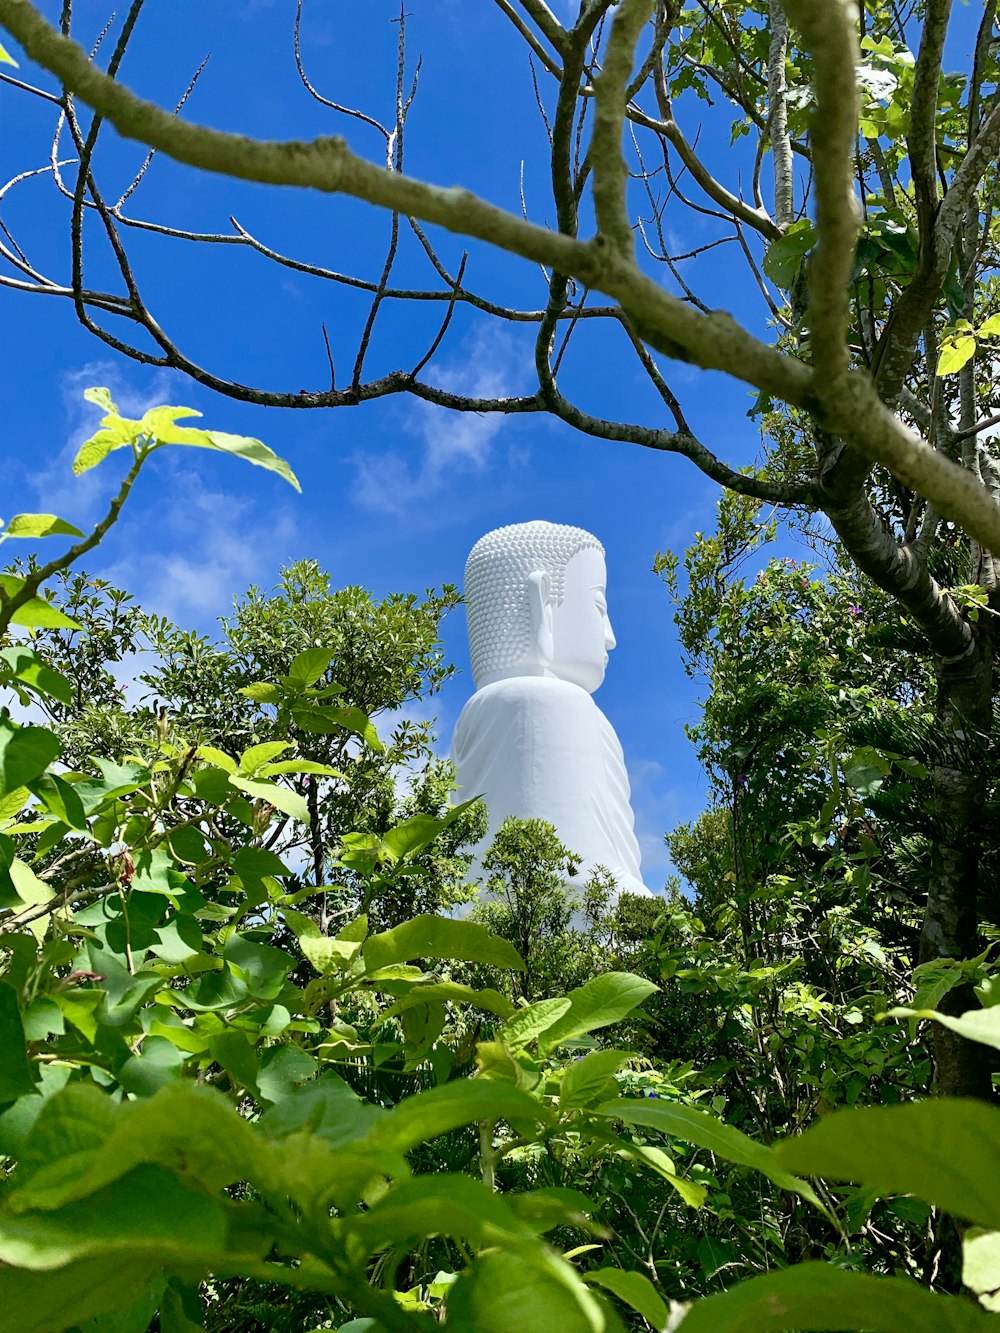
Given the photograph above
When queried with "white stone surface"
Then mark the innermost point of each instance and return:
(531, 741)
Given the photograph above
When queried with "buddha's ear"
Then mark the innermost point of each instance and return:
(540, 601)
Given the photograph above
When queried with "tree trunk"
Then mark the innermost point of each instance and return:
(951, 921)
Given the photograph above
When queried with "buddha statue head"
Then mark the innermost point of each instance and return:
(536, 601)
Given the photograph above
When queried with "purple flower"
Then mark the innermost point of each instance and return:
(854, 609)
(653, 1094)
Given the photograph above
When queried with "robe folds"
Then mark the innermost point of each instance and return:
(538, 747)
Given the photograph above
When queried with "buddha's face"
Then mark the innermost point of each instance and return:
(582, 635)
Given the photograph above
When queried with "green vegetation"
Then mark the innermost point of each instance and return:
(253, 1075)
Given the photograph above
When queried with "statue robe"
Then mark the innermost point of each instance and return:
(537, 747)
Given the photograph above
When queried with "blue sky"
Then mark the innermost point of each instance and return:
(394, 492)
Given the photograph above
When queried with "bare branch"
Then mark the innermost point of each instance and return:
(777, 120)
(610, 173)
(828, 29)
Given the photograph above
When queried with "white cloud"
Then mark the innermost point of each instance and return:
(82, 499)
(452, 445)
(207, 561)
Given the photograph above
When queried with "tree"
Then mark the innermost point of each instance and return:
(876, 387)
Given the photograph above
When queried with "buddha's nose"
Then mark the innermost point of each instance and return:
(609, 636)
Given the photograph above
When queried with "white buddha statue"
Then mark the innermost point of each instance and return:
(531, 741)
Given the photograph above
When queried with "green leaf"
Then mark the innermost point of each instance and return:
(95, 1287)
(635, 1290)
(217, 758)
(27, 666)
(327, 721)
(429, 936)
(307, 667)
(262, 967)
(418, 832)
(990, 328)
(262, 692)
(25, 752)
(956, 350)
(454, 992)
(980, 1025)
(693, 1125)
(15, 1072)
(146, 1211)
(36, 613)
(981, 1266)
(603, 1000)
(40, 525)
(784, 256)
(434, 1205)
(116, 433)
(587, 1080)
(158, 1063)
(61, 799)
(240, 446)
(526, 1024)
(102, 397)
(282, 798)
(812, 1297)
(693, 1194)
(30, 889)
(945, 1151)
(257, 755)
(426, 1115)
(507, 1289)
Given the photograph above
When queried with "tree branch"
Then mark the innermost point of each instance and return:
(607, 161)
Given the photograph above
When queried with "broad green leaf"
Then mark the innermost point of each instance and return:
(40, 525)
(262, 692)
(956, 350)
(426, 1115)
(981, 1266)
(528, 1288)
(261, 966)
(27, 666)
(820, 1298)
(784, 256)
(587, 1080)
(605, 999)
(454, 992)
(160, 421)
(299, 766)
(15, 1072)
(95, 1287)
(12, 803)
(30, 889)
(933, 981)
(178, 939)
(116, 433)
(945, 1151)
(82, 1141)
(253, 863)
(218, 758)
(635, 1290)
(61, 799)
(282, 798)
(307, 667)
(327, 721)
(693, 1125)
(148, 1210)
(37, 613)
(158, 1063)
(418, 832)
(434, 1205)
(240, 446)
(526, 1024)
(980, 1025)
(439, 937)
(102, 397)
(691, 1192)
(257, 755)
(25, 752)
(990, 328)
